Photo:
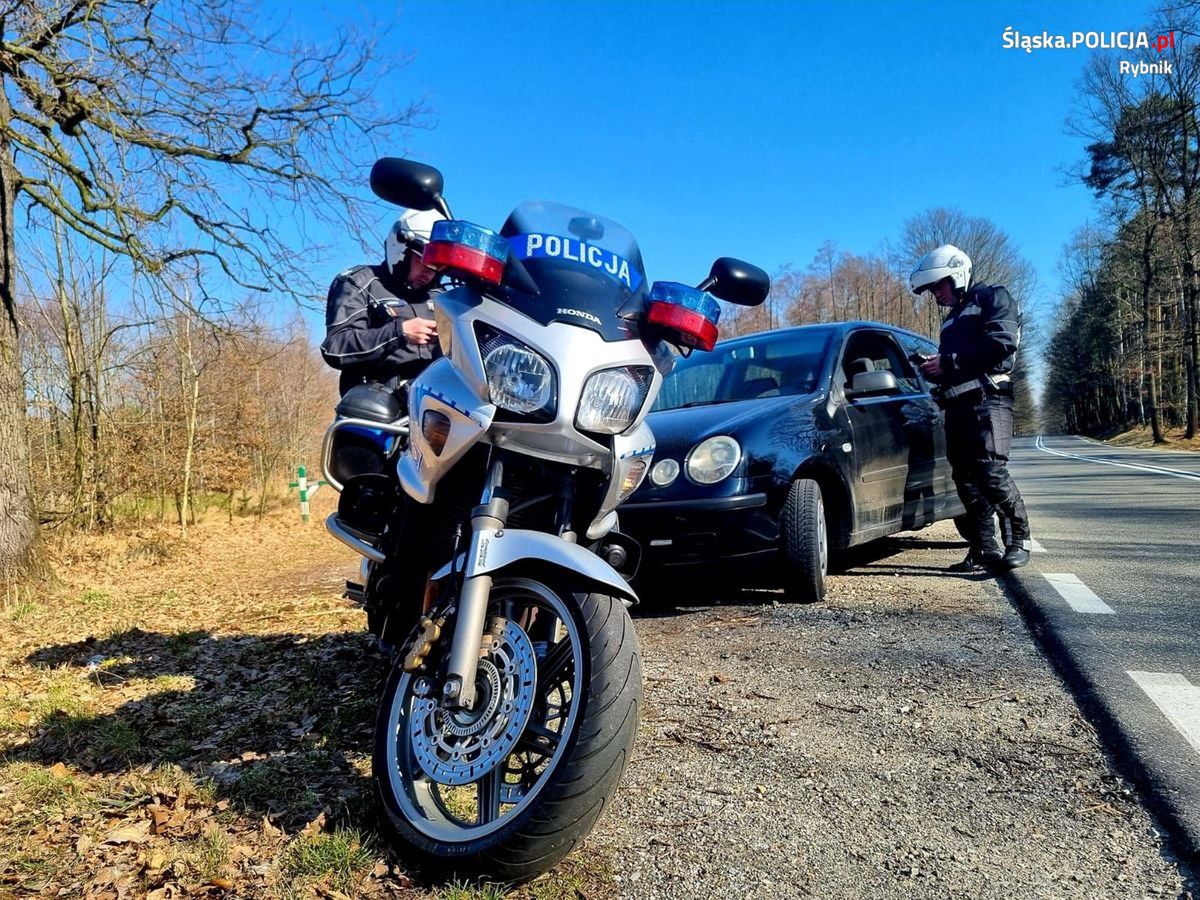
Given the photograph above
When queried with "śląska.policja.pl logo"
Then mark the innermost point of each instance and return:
(1012, 39)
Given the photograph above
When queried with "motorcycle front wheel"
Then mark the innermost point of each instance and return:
(506, 790)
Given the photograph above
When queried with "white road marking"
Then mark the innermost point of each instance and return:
(1037, 548)
(1078, 595)
(1178, 699)
(1159, 470)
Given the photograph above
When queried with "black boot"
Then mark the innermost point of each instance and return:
(978, 560)
(1016, 554)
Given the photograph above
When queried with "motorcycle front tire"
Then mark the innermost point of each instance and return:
(584, 782)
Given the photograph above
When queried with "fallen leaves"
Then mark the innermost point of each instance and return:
(137, 833)
(249, 691)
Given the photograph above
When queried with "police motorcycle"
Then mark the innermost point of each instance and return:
(511, 709)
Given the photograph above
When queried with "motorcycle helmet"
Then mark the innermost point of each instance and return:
(410, 232)
(946, 261)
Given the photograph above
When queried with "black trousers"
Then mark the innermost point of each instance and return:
(979, 429)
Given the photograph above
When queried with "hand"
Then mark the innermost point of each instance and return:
(419, 331)
(932, 367)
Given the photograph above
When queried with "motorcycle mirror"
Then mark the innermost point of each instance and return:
(408, 183)
(735, 281)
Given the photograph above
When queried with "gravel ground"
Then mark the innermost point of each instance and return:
(904, 738)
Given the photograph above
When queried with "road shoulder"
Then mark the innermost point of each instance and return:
(1143, 746)
(905, 738)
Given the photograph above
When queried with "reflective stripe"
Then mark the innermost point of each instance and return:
(364, 352)
(352, 315)
(975, 384)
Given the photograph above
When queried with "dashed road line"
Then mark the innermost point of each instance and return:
(1078, 595)
(1036, 547)
(1040, 444)
(1177, 698)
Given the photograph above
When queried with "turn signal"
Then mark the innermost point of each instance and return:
(435, 427)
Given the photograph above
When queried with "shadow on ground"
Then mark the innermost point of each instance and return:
(674, 592)
(278, 722)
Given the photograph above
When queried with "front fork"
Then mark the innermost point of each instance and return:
(490, 516)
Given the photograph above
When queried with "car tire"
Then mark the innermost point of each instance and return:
(804, 540)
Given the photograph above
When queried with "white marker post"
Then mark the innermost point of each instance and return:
(306, 492)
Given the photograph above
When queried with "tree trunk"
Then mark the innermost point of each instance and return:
(21, 554)
(190, 381)
(1151, 402)
(1192, 363)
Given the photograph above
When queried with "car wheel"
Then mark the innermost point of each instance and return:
(805, 542)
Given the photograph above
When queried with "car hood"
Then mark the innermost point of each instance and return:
(678, 429)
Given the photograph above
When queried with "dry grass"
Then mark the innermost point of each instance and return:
(1142, 437)
(196, 716)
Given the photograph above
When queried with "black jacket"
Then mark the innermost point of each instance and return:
(980, 335)
(364, 315)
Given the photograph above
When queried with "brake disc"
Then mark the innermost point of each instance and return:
(456, 747)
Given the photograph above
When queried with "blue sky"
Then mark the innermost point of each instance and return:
(757, 130)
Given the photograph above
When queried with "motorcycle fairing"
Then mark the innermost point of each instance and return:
(442, 389)
(628, 447)
(574, 353)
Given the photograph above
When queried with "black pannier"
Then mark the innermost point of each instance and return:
(358, 449)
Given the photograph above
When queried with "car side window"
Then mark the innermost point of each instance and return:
(911, 344)
(877, 351)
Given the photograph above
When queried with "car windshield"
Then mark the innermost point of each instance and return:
(767, 365)
(586, 267)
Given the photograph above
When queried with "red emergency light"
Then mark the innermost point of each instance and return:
(467, 249)
(688, 315)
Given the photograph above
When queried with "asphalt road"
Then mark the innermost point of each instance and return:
(1114, 590)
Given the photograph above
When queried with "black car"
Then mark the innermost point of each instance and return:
(790, 444)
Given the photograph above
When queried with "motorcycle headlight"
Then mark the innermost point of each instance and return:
(612, 398)
(714, 459)
(519, 379)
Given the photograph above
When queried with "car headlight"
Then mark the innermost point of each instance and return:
(713, 459)
(519, 379)
(664, 472)
(612, 398)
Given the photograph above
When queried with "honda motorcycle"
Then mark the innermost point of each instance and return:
(484, 502)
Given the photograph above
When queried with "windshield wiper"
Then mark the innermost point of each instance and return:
(692, 403)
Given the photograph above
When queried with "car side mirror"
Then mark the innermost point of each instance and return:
(878, 382)
(408, 183)
(737, 282)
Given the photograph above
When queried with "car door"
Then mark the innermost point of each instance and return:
(944, 494)
(880, 430)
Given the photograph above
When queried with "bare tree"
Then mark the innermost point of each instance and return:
(176, 135)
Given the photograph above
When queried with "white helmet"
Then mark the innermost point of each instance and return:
(409, 232)
(946, 261)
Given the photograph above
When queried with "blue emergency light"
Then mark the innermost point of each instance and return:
(688, 314)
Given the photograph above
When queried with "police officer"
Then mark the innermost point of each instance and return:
(973, 373)
(379, 319)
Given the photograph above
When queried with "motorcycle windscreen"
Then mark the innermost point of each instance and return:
(586, 268)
